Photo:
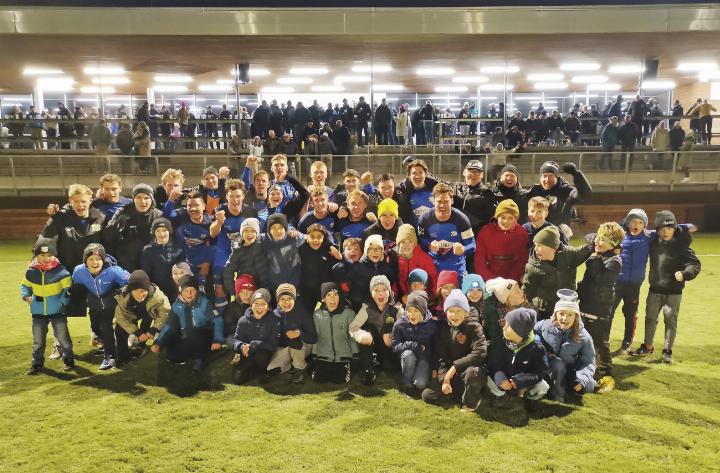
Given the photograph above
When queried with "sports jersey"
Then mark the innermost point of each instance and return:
(229, 231)
(193, 238)
(109, 208)
(350, 229)
(330, 223)
(455, 230)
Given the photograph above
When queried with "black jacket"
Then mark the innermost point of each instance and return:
(157, 261)
(363, 112)
(526, 367)
(450, 352)
(245, 260)
(476, 202)
(357, 277)
(67, 229)
(297, 319)
(260, 334)
(563, 197)
(316, 269)
(127, 233)
(383, 115)
(232, 315)
(302, 116)
(517, 194)
(666, 258)
(597, 288)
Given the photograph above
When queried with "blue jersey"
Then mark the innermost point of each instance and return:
(456, 229)
(350, 229)
(420, 202)
(330, 223)
(229, 231)
(288, 190)
(109, 208)
(193, 238)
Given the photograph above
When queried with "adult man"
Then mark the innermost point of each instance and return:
(381, 122)
(341, 138)
(417, 191)
(362, 114)
(472, 197)
(226, 126)
(628, 134)
(507, 186)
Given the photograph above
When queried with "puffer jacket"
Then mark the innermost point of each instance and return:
(666, 258)
(103, 287)
(634, 255)
(417, 338)
(526, 366)
(127, 233)
(419, 259)
(47, 287)
(597, 288)
(578, 357)
(250, 260)
(156, 305)
(260, 334)
(202, 315)
(450, 352)
(297, 319)
(157, 262)
(334, 343)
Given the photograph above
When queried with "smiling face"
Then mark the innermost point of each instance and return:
(417, 286)
(456, 316)
(245, 295)
(315, 239)
(277, 232)
(261, 184)
(353, 252)
(235, 200)
(375, 253)
(259, 308)
(508, 179)
(111, 192)
(565, 318)
(548, 180)
(414, 315)
(506, 221)
(320, 204)
(276, 197)
(286, 303)
(544, 253)
(249, 235)
(474, 295)
(94, 264)
(357, 207)
(210, 181)
(332, 300)
(195, 208)
(406, 248)
(139, 294)
(351, 183)
(417, 176)
(443, 206)
(537, 215)
(162, 235)
(473, 177)
(188, 294)
(172, 185)
(280, 168)
(380, 295)
(319, 175)
(601, 246)
(386, 189)
(44, 258)
(143, 202)
(387, 220)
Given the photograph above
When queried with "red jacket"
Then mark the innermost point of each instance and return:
(501, 253)
(419, 259)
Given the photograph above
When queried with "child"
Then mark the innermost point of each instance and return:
(520, 365)
(597, 295)
(358, 275)
(503, 295)
(44, 288)
(102, 278)
(372, 327)
(247, 257)
(335, 347)
(538, 209)
(255, 340)
(244, 289)
(282, 253)
(353, 249)
(387, 224)
(317, 257)
(178, 271)
(412, 338)
(501, 249)
(417, 280)
(447, 281)
(297, 334)
(570, 349)
(473, 287)
(672, 262)
(411, 256)
(141, 312)
(460, 355)
(193, 328)
(552, 266)
(160, 256)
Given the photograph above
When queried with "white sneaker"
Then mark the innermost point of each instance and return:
(56, 353)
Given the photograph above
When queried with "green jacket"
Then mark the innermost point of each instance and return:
(334, 342)
(491, 318)
(158, 307)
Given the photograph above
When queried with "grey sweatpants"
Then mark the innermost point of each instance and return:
(670, 306)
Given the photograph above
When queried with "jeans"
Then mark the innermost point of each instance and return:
(428, 126)
(415, 369)
(534, 392)
(706, 127)
(382, 133)
(629, 294)
(39, 333)
(563, 377)
(362, 127)
(670, 306)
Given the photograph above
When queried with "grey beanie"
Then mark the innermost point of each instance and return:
(380, 279)
(568, 300)
(456, 299)
(665, 218)
(419, 300)
(636, 213)
(521, 320)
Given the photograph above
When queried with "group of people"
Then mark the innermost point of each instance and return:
(464, 290)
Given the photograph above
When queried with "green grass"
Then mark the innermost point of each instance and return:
(155, 417)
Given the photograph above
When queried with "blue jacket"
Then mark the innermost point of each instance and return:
(260, 334)
(297, 319)
(527, 365)
(284, 260)
(103, 287)
(48, 290)
(203, 316)
(406, 336)
(635, 250)
(577, 356)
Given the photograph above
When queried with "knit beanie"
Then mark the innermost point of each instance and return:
(521, 320)
(45, 246)
(551, 167)
(665, 218)
(472, 281)
(388, 205)
(161, 222)
(636, 213)
(182, 266)
(277, 218)
(263, 294)
(456, 299)
(143, 189)
(94, 249)
(326, 288)
(139, 280)
(406, 232)
(548, 236)
(245, 281)
(448, 277)
(285, 289)
(250, 223)
(568, 300)
(501, 288)
(211, 170)
(186, 281)
(373, 240)
(382, 280)
(419, 300)
(507, 206)
(418, 275)
(510, 168)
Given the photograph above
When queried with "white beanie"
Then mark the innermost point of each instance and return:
(373, 240)
(500, 288)
(250, 223)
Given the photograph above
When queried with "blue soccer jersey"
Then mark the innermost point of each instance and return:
(456, 229)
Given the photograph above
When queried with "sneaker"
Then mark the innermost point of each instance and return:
(96, 342)
(68, 364)
(297, 375)
(198, 365)
(606, 384)
(667, 356)
(642, 351)
(56, 353)
(369, 377)
(625, 348)
(33, 370)
(106, 364)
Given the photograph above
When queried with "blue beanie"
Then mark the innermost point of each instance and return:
(418, 275)
(522, 321)
(472, 281)
(456, 299)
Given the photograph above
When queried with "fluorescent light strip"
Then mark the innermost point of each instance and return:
(351, 79)
(709, 75)
(96, 90)
(169, 88)
(532, 97)
(309, 71)
(39, 71)
(588, 79)
(550, 85)
(435, 71)
(387, 87)
(277, 90)
(327, 88)
(697, 66)
(658, 85)
(626, 69)
(604, 86)
(545, 77)
(214, 88)
(496, 87)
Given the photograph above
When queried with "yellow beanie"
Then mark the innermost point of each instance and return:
(388, 205)
(507, 206)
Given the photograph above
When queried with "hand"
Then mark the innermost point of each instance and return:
(371, 217)
(335, 253)
(143, 338)
(333, 207)
(292, 334)
(292, 233)
(458, 249)
(366, 178)
(692, 228)
(446, 388)
(387, 339)
(175, 194)
(28, 299)
(52, 209)
(679, 276)
(224, 172)
(155, 348)
(342, 213)
(366, 339)
(245, 350)
(578, 387)
(569, 168)
(215, 347)
(251, 161)
(220, 216)
(434, 246)
(100, 194)
(505, 385)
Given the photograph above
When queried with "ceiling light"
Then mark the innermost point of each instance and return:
(355, 79)
(658, 85)
(173, 78)
(546, 77)
(470, 79)
(387, 87)
(96, 90)
(372, 68)
(277, 90)
(579, 66)
(309, 71)
(169, 88)
(451, 88)
(327, 88)
(103, 70)
(38, 71)
(697, 66)
(294, 80)
(499, 69)
(435, 71)
(532, 97)
(214, 88)
(495, 87)
(626, 69)
(604, 86)
(588, 79)
(110, 80)
(550, 85)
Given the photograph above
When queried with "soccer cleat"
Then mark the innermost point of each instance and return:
(33, 370)
(56, 353)
(667, 356)
(606, 384)
(297, 375)
(106, 364)
(642, 351)
(69, 364)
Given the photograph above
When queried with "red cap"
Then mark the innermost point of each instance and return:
(244, 281)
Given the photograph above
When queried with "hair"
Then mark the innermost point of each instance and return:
(386, 178)
(318, 191)
(318, 164)
(278, 157)
(110, 178)
(351, 173)
(79, 189)
(352, 241)
(261, 173)
(417, 163)
(315, 227)
(195, 195)
(358, 193)
(233, 185)
(574, 330)
(539, 203)
(441, 188)
(172, 174)
(613, 230)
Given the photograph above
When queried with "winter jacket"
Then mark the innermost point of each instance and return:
(157, 261)
(476, 202)
(316, 269)
(283, 258)
(597, 288)
(297, 319)
(666, 258)
(660, 139)
(517, 194)
(156, 305)
(579, 357)
(609, 137)
(417, 338)
(358, 276)
(526, 366)
(334, 343)
(127, 233)
(185, 316)
(250, 260)
(388, 236)
(501, 253)
(103, 287)
(532, 231)
(260, 334)
(73, 233)
(491, 316)
(48, 288)
(634, 255)
(676, 136)
(563, 197)
(450, 352)
(405, 266)
(370, 315)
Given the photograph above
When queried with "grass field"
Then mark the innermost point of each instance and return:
(154, 417)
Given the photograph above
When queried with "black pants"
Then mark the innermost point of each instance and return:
(381, 134)
(101, 323)
(121, 338)
(253, 366)
(191, 345)
(466, 388)
(327, 371)
(386, 358)
(599, 330)
(629, 294)
(362, 127)
(706, 127)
